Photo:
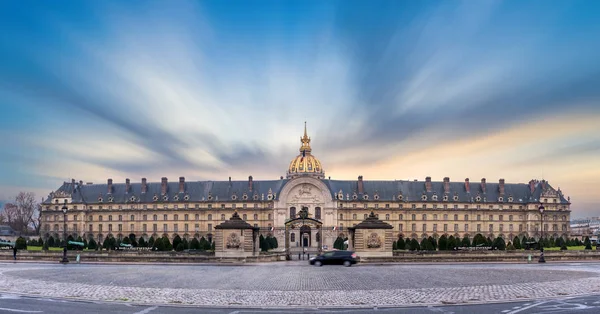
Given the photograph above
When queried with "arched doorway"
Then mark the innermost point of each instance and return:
(305, 236)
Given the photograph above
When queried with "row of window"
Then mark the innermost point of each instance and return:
(132, 228)
(456, 217)
(445, 206)
(490, 227)
(165, 206)
(155, 217)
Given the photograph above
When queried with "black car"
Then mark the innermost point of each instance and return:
(346, 258)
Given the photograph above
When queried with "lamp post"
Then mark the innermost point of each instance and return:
(541, 209)
(64, 210)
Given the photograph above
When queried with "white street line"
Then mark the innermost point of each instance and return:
(527, 307)
(147, 310)
(18, 311)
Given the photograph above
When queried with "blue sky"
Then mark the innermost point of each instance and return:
(212, 89)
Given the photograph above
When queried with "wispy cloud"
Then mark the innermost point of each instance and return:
(397, 90)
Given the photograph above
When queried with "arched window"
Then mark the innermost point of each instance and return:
(292, 212)
(175, 217)
(155, 217)
(209, 217)
(424, 216)
(341, 216)
(387, 216)
(222, 216)
(245, 217)
(132, 218)
(270, 217)
(293, 237)
(455, 217)
(255, 216)
(317, 212)
(354, 216)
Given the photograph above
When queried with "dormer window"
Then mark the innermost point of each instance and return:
(478, 198)
(365, 197)
(165, 198)
(186, 198)
(434, 197)
(500, 199)
(233, 197)
(445, 198)
(455, 198)
(424, 197)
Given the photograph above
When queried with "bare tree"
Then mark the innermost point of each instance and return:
(23, 213)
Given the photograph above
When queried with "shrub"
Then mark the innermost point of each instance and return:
(185, 243)
(50, 241)
(204, 245)
(176, 241)
(179, 247)
(414, 245)
(40, 242)
(510, 247)
(195, 244)
(443, 243)
(142, 242)
(21, 243)
(167, 243)
(263, 244)
(499, 244)
(466, 242)
(451, 243)
(151, 242)
(92, 245)
(563, 247)
(401, 245)
(516, 243)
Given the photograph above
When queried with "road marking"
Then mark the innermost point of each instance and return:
(18, 311)
(526, 307)
(147, 310)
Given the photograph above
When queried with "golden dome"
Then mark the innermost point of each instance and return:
(305, 163)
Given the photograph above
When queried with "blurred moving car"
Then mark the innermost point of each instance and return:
(346, 258)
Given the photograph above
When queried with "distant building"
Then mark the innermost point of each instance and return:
(585, 226)
(416, 209)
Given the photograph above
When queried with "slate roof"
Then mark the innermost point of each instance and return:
(198, 191)
(372, 222)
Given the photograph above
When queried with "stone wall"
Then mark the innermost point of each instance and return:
(481, 256)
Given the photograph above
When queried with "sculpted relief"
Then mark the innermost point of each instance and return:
(233, 241)
(305, 193)
(374, 241)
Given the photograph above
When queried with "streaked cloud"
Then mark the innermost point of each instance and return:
(394, 90)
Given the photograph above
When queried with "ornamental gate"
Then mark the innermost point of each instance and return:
(303, 235)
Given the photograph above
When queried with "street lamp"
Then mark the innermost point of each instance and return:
(541, 209)
(64, 210)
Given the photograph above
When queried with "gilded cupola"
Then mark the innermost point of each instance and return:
(305, 164)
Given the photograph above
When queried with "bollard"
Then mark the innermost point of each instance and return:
(528, 258)
(298, 256)
(308, 256)
(77, 259)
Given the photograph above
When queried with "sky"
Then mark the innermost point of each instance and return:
(215, 89)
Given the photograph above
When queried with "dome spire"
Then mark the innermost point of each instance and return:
(305, 140)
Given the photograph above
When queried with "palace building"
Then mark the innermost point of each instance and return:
(306, 209)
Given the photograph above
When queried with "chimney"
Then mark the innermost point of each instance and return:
(250, 183)
(229, 181)
(109, 186)
(181, 184)
(163, 186)
(144, 186)
(80, 182)
(73, 181)
(127, 185)
(544, 184)
(446, 185)
(467, 186)
(532, 186)
(361, 187)
(501, 186)
(483, 185)
(428, 184)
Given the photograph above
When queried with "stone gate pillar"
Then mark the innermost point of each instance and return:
(371, 238)
(236, 238)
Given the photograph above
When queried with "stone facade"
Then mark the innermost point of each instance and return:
(415, 209)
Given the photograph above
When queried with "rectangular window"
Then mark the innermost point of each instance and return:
(501, 217)
(376, 205)
(175, 228)
(414, 227)
(75, 227)
(466, 227)
(478, 217)
(520, 228)
(165, 228)
(186, 227)
(145, 217)
(155, 227)
(144, 228)
(197, 217)
(424, 227)
(445, 227)
(434, 227)
(491, 218)
(478, 227)
(131, 227)
(197, 227)
(120, 227)
(209, 227)
(91, 228)
(501, 228)
(399, 227)
(491, 227)
(109, 227)
(510, 227)
(165, 217)
(455, 227)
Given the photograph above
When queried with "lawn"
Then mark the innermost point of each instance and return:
(39, 248)
(569, 248)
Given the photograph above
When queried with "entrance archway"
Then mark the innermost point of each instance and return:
(306, 228)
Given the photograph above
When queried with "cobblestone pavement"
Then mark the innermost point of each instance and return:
(271, 285)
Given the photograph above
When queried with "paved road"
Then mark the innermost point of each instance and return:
(297, 284)
(17, 304)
